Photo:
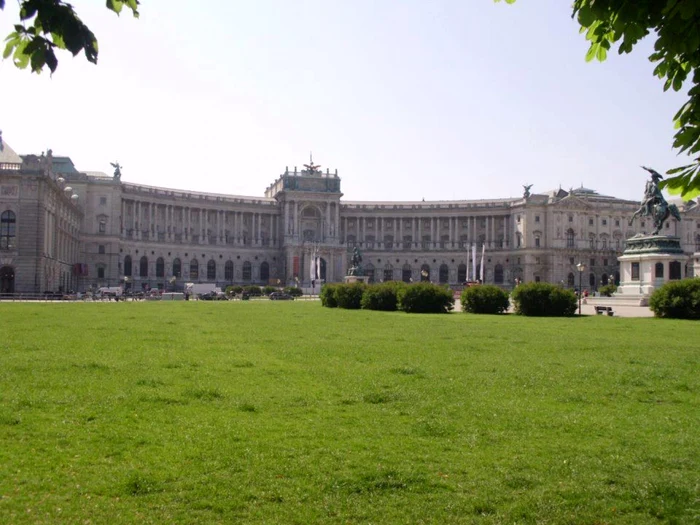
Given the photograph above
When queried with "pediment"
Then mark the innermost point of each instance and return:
(572, 202)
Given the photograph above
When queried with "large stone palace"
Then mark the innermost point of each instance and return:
(63, 229)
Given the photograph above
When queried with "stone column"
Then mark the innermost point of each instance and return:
(337, 220)
(327, 228)
(295, 226)
(493, 231)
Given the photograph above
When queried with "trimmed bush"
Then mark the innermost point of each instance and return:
(677, 300)
(327, 295)
(421, 298)
(252, 290)
(484, 299)
(267, 290)
(233, 290)
(607, 290)
(294, 291)
(349, 296)
(382, 296)
(544, 300)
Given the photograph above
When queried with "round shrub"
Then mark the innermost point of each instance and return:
(294, 291)
(253, 290)
(349, 296)
(425, 298)
(607, 290)
(234, 290)
(677, 300)
(267, 290)
(484, 299)
(544, 300)
(327, 295)
(381, 296)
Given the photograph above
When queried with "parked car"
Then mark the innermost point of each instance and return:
(280, 296)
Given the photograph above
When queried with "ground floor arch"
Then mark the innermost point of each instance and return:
(7, 279)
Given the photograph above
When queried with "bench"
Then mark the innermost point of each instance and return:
(600, 310)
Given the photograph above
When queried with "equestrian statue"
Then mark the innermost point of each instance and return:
(654, 204)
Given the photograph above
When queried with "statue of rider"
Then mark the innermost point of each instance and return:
(652, 193)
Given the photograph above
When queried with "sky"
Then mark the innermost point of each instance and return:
(410, 100)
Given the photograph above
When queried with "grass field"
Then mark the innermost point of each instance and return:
(276, 412)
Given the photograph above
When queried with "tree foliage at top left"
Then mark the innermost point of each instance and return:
(48, 25)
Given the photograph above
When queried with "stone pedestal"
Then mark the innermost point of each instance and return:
(648, 262)
(356, 279)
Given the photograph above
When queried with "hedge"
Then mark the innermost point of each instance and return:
(484, 299)
(425, 298)
(543, 300)
(327, 295)
(382, 296)
(294, 291)
(677, 299)
(349, 296)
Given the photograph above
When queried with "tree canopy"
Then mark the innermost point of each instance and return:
(47, 25)
(676, 25)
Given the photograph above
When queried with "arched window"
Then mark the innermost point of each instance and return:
(177, 268)
(498, 274)
(591, 280)
(127, 266)
(143, 266)
(674, 270)
(211, 270)
(462, 273)
(425, 273)
(228, 271)
(369, 272)
(160, 267)
(604, 279)
(659, 270)
(247, 271)
(406, 273)
(616, 280)
(444, 274)
(388, 273)
(569, 238)
(8, 224)
(570, 280)
(592, 241)
(194, 269)
(265, 272)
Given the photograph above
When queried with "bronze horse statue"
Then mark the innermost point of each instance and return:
(654, 205)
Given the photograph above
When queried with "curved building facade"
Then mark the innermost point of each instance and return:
(66, 229)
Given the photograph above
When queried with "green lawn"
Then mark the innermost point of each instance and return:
(276, 412)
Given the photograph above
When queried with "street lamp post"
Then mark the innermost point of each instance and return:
(581, 268)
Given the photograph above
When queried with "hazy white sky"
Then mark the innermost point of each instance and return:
(447, 99)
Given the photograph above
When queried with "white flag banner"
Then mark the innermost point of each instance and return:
(313, 268)
(474, 262)
(467, 277)
(481, 269)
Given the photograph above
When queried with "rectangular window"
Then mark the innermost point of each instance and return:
(519, 221)
(571, 218)
(605, 222)
(571, 260)
(537, 260)
(605, 262)
(590, 222)
(537, 218)
(537, 242)
(103, 227)
(592, 261)
(617, 222)
(103, 201)
(635, 271)
(100, 272)
(101, 248)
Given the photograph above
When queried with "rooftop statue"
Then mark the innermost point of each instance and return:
(526, 190)
(654, 204)
(117, 170)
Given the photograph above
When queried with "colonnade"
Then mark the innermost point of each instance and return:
(153, 221)
(411, 232)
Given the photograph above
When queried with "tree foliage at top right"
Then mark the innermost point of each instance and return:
(676, 25)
